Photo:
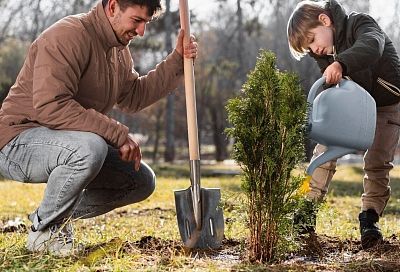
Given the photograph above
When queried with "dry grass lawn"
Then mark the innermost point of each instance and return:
(144, 236)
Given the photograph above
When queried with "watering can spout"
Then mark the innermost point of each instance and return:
(333, 152)
(342, 118)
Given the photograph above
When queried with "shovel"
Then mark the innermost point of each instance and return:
(200, 217)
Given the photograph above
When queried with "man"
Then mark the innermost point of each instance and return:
(53, 123)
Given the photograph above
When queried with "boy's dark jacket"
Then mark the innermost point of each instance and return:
(366, 53)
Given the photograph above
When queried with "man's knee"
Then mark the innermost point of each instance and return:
(145, 183)
(143, 188)
(149, 182)
(94, 144)
(91, 150)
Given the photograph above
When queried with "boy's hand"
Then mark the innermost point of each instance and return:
(190, 50)
(333, 73)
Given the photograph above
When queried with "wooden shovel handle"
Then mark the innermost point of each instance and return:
(190, 92)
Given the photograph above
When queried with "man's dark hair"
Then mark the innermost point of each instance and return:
(153, 6)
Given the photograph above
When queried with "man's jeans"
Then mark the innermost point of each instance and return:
(377, 163)
(85, 176)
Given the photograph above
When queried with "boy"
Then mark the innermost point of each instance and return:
(352, 46)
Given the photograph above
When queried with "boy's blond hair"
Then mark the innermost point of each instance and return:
(303, 19)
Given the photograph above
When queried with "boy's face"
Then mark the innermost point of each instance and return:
(320, 40)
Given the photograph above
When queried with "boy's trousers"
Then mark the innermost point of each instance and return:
(377, 163)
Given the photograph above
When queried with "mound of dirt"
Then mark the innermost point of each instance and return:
(349, 253)
(317, 253)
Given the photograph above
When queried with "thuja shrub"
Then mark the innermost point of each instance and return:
(268, 123)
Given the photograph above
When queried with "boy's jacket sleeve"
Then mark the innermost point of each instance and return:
(368, 46)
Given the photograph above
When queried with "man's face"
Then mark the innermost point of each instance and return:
(320, 38)
(129, 23)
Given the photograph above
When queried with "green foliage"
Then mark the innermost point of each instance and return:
(268, 126)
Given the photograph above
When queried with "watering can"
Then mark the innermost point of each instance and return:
(342, 118)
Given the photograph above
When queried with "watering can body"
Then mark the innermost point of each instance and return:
(342, 118)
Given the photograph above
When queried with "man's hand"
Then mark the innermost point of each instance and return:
(130, 151)
(190, 50)
(333, 73)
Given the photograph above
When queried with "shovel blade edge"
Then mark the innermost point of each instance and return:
(211, 233)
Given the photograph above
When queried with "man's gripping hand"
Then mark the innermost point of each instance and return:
(190, 50)
(130, 151)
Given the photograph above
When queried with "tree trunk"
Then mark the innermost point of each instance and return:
(36, 27)
(240, 38)
(158, 134)
(220, 139)
(169, 154)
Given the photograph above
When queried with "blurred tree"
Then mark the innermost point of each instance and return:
(358, 6)
(393, 29)
(12, 54)
(26, 20)
(229, 44)
(225, 58)
(169, 154)
(20, 23)
(8, 13)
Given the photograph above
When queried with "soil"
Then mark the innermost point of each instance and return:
(349, 255)
(148, 245)
(317, 253)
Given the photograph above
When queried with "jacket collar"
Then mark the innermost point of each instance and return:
(103, 28)
(339, 20)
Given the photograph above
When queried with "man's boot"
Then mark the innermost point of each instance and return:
(305, 218)
(370, 233)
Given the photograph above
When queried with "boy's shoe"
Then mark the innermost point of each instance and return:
(305, 218)
(58, 239)
(370, 233)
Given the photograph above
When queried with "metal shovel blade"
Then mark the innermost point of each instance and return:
(211, 232)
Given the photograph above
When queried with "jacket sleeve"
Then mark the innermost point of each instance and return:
(368, 46)
(58, 66)
(142, 91)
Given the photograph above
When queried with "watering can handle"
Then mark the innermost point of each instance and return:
(315, 87)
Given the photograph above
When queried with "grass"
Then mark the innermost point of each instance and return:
(339, 217)
(145, 237)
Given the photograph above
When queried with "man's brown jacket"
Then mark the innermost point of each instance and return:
(74, 73)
